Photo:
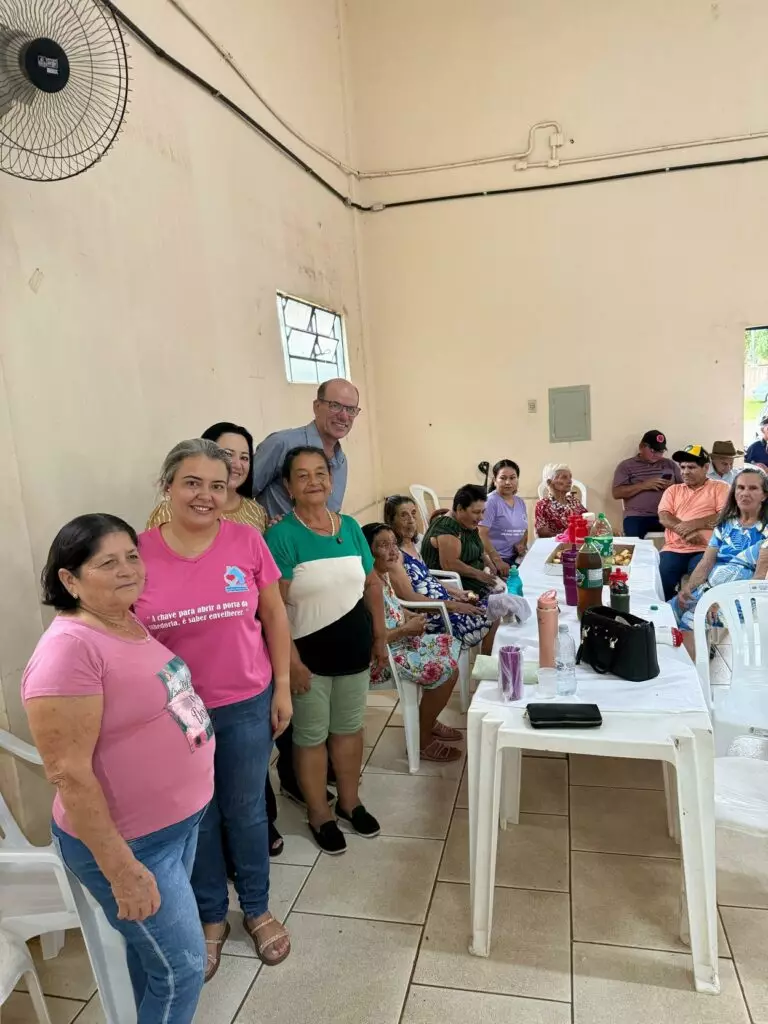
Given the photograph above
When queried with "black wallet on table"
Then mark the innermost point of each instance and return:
(564, 716)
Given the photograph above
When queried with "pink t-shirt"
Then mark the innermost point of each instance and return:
(204, 610)
(154, 754)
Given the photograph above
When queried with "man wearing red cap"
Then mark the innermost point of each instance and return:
(640, 482)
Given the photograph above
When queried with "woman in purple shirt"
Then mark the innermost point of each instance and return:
(504, 526)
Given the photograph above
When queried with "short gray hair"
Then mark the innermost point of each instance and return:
(188, 450)
(551, 468)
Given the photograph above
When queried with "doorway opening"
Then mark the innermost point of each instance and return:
(755, 381)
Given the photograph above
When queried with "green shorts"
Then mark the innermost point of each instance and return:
(333, 705)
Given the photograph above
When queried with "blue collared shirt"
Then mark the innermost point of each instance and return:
(726, 478)
(268, 488)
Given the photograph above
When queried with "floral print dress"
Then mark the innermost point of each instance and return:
(470, 629)
(428, 660)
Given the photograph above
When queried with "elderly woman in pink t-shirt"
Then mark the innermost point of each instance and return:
(212, 597)
(129, 746)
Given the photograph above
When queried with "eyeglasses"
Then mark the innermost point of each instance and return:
(351, 410)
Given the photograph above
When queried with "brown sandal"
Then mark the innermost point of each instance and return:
(262, 947)
(437, 751)
(445, 732)
(214, 959)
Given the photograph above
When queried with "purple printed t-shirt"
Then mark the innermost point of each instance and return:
(633, 471)
(507, 524)
(154, 755)
(204, 610)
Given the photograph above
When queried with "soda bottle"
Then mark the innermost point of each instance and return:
(514, 583)
(589, 576)
(602, 534)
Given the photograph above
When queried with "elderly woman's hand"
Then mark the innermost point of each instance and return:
(136, 893)
(301, 677)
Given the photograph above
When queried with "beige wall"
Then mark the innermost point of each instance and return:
(639, 288)
(138, 300)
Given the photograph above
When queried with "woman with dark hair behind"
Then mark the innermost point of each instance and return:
(336, 612)
(129, 747)
(504, 527)
(239, 507)
(452, 542)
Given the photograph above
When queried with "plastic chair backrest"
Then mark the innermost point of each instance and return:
(744, 609)
(419, 492)
(578, 485)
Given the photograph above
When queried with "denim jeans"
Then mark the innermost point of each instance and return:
(165, 952)
(673, 565)
(243, 734)
(638, 526)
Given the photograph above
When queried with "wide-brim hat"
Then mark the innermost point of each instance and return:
(725, 448)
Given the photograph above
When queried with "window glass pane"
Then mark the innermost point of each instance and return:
(325, 322)
(300, 344)
(312, 339)
(297, 314)
(303, 371)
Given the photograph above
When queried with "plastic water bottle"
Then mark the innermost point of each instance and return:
(565, 662)
(602, 534)
(514, 583)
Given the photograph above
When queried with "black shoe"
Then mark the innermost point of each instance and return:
(361, 821)
(329, 838)
(276, 842)
(292, 792)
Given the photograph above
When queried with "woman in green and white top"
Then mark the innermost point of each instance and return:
(335, 606)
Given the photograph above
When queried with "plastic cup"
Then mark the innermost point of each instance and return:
(511, 672)
(547, 683)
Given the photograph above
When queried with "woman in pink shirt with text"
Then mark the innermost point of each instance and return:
(129, 747)
(212, 597)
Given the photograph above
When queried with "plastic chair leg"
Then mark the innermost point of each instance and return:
(670, 796)
(409, 703)
(474, 734)
(487, 838)
(511, 769)
(464, 672)
(696, 788)
(51, 943)
(36, 995)
(106, 951)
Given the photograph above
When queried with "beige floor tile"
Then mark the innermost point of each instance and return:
(628, 901)
(17, 1009)
(462, 800)
(544, 787)
(340, 972)
(300, 848)
(530, 855)
(450, 715)
(389, 758)
(618, 772)
(530, 947)
(620, 821)
(375, 720)
(223, 995)
(385, 879)
(544, 753)
(641, 986)
(92, 1014)
(748, 934)
(410, 805)
(285, 882)
(68, 975)
(383, 699)
(742, 870)
(436, 1006)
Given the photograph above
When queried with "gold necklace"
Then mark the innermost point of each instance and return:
(131, 628)
(332, 521)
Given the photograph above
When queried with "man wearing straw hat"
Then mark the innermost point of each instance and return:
(721, 458)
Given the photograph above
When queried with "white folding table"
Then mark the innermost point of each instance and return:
(664, 719)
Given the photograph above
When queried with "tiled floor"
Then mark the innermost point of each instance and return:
(585, 922)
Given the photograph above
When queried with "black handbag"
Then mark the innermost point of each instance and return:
(619, 643)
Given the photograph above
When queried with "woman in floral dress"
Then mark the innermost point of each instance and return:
(430, 660)
(552, 513)
(469, 620)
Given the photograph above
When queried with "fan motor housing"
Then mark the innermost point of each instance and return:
(45, 64)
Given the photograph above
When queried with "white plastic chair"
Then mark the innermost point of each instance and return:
(454, 580)
(40, 897)
(743, 706)
(410, 693)
(15, 964)
(543, 491)
(419, 492)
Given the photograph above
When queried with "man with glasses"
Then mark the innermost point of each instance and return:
(336, 408)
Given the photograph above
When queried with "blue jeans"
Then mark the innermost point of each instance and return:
(638, 526)
(165, 952)
(673, 565)
(243, 734)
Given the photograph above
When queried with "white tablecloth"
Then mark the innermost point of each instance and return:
(675, 689)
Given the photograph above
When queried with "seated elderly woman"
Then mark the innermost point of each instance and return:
(412, 581)
(428, 660)
(734, 551)
(453, 543)
(552, 512)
